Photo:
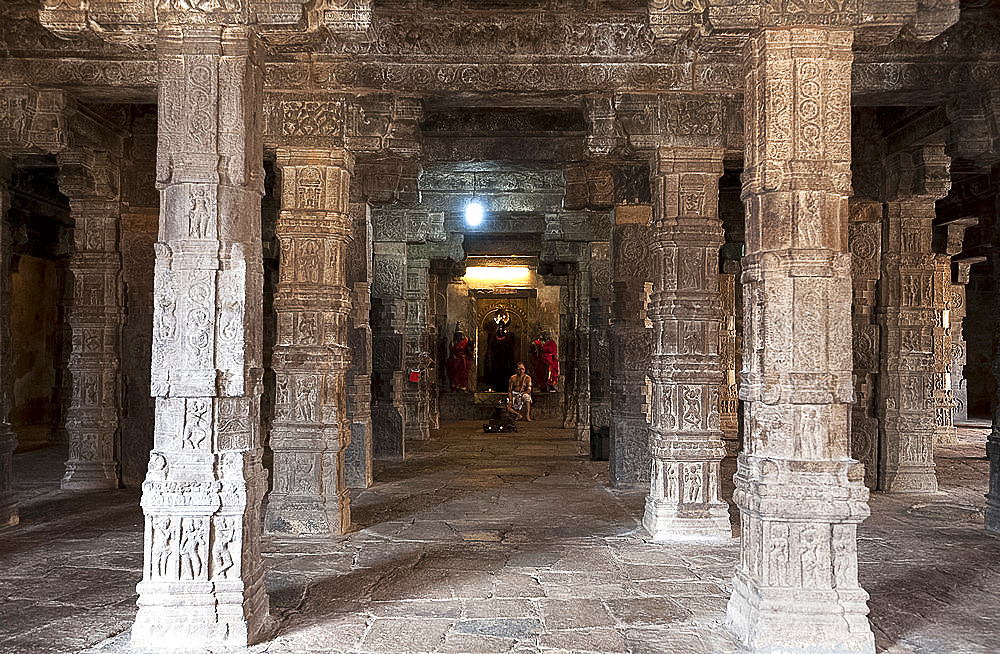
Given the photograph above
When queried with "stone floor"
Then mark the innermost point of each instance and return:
(498, 543)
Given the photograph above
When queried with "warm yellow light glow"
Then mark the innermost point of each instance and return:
(497, 275)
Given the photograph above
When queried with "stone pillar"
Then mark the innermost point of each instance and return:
(992, 510)
(864, 237)
(203, 577)
(567, 349)
(943, 399)
(416, 352)
(582, 387)
(685, 437)
(959, 351)
(800, 495)
(600, 324)
(908, 323)
(90, 181)
(630, 339)
(388, 316)
(729, 419)
(8, 439)
(359, 335)
(310, 431)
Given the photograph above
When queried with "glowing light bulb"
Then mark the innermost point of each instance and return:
(473, 213)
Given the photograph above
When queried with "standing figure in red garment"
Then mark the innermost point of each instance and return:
(545, 362)
(459, 361)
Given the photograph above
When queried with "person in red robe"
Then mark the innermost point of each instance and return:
(459, 361)
(545, 362)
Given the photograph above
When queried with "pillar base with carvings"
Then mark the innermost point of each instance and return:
(911, 479)
(796, 586)
(666, 521)
(308, 516)
(90, 475)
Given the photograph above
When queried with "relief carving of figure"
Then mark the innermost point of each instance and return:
(222, 557)
(192, 544)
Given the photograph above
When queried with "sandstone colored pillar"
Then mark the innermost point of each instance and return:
(800, 494)
(685, 435)
(943, 399)
(90, 181)
(959, 349)
(8, 439)
(909, 326)
(358, 463)
(729, 420)
(203, 578)
(310, 431)
(630, 340)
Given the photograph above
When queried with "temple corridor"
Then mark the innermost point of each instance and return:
(499, 543)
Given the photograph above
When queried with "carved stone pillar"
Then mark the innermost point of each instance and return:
(203, 578)
(359, 335)
(388, 316)
(908, 323)
(90, 181)
(630, 339)
(8, 439)
(959, 351)
(943, 399)
(416, 352)
(729, 420)
(310, 430)
(800, 495)
(685, 438)
(864, 235)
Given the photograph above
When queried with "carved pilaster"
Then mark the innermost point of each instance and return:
(909, 325)
(90, 181)
(600, 321)
(630, 342)
(685, 436)
(359, 335)
(864, 239)
(800, 495)
(311, 431)
(8, 439)
(203, 578)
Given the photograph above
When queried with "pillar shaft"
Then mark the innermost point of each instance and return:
(582, 308)
(8, 439)
(729, 419)
(310, 431)
(95, 319)
(909, 326)
(943, 398)
(992, 520)
(684, 308)
(630, 339)
(359, 374)
(865, 242)
(416, 353)
(387, 319)
(959, 351)
(203, 578)
(800, 495)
